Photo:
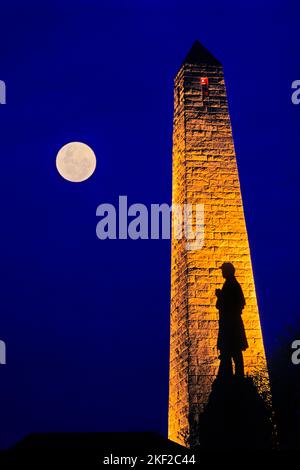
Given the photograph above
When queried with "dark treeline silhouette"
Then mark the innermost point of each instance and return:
(285, 383)
(236, 417)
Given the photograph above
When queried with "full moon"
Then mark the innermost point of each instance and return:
(76, 162)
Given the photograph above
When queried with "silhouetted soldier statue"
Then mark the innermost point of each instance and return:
(232, 337)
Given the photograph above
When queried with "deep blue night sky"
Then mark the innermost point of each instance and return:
(86, 322)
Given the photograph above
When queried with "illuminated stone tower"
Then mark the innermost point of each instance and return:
(205, 172)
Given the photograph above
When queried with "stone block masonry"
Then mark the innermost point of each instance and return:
(205, 172)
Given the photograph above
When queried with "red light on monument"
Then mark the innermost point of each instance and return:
(204, 81)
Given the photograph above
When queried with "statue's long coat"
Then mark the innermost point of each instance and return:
(230, 303)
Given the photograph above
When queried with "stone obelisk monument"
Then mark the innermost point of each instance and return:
(205, 172)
